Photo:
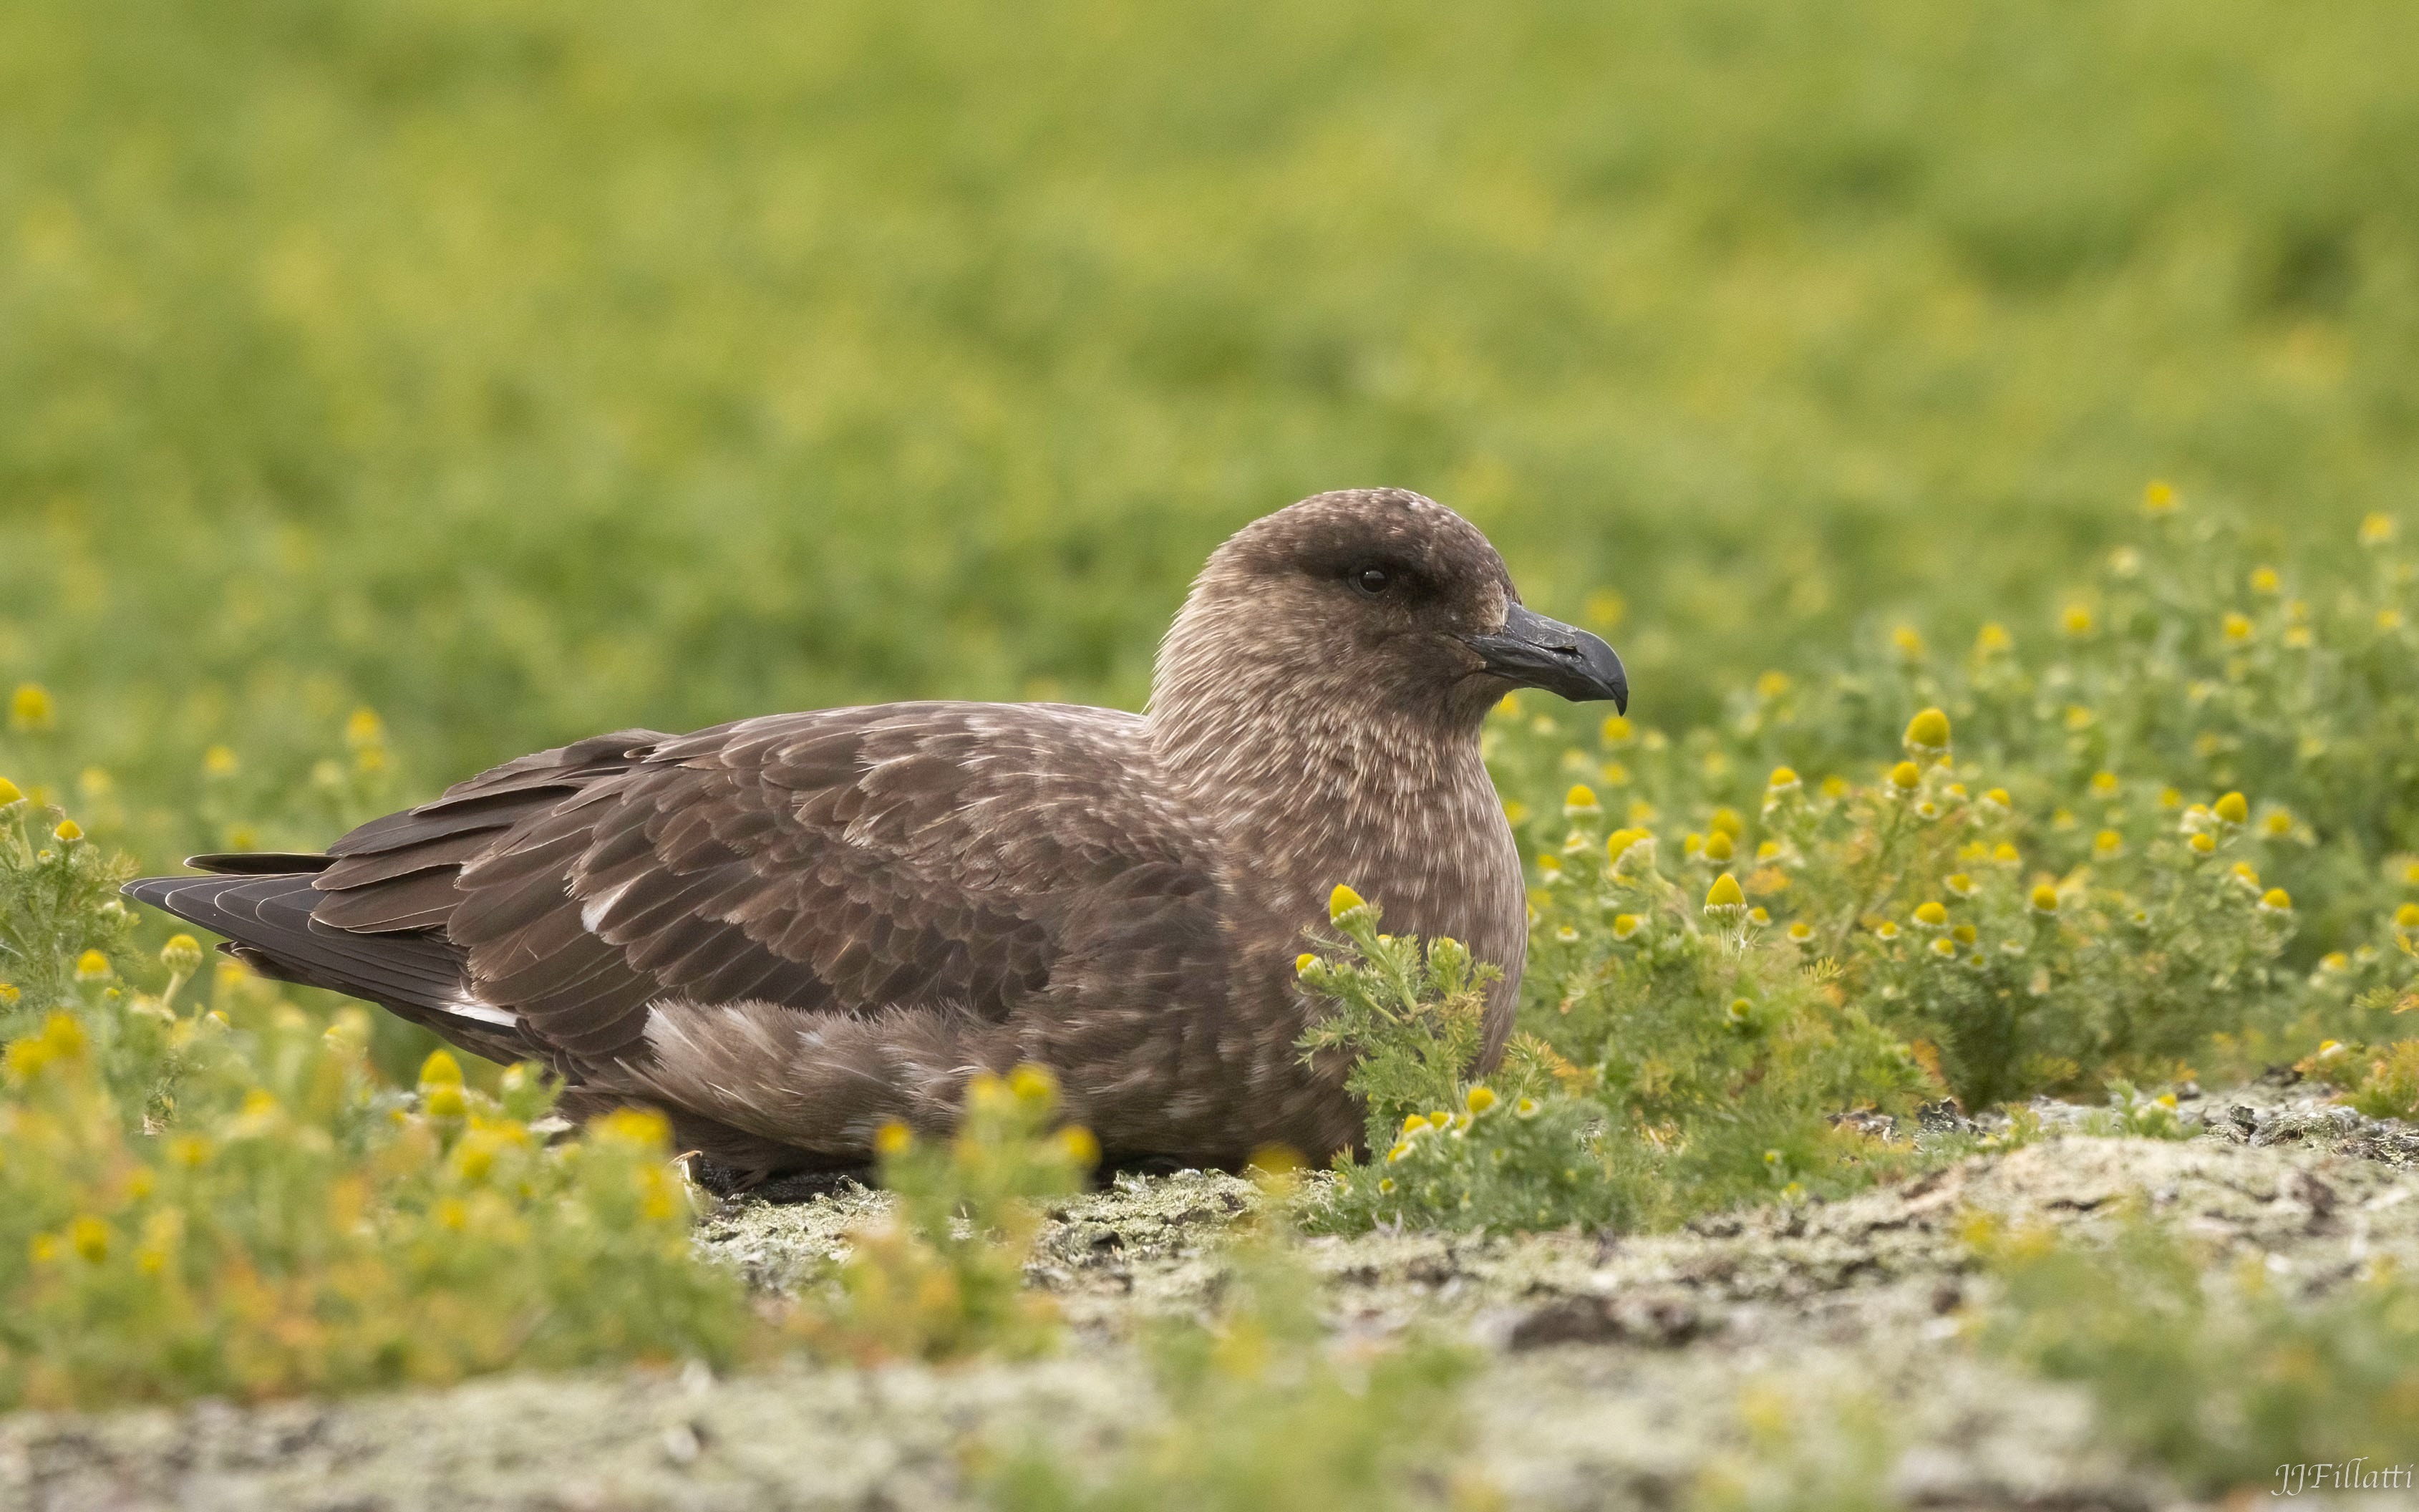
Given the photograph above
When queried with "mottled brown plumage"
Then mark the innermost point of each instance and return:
(789, 930)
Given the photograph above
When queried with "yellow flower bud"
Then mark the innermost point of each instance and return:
(1033, 1084)
(443, 1101)
(1724, 893)
(30, 708)
(1962, 884)
(1618, 843)
(68, 832)
(1905, 775)
(2105, 783)
(1080, 1145)
(9, 792)
(441, 1070)
(1617, 730)
(1946, 950)
(1717, 846)
(2044, 899)
(2276, 900)
(2264, 580)
(1928, 731)
(2159, 498)
(91, 966)
(1302, 963)
(2203, 842)
(2375, 530)
(90, 1237)
(2406, 916)
(1801, 932)
(1479, 1099)
(1931, 914)
(2233, 808)
(2108, 842)
(1908, 640)
(2277, 825)
(1625, 925)
(1342, 901)
(1784, 780)
(2076, 621)
(1727, 821)
(182, 954)
(2236, 626)
(1993, 639)
(1581, 800)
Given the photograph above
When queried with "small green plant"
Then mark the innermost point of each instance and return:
(1263, 1410)
(1823, 1454)
(2391, 1087)
(2219, 1376)
(942, 1275)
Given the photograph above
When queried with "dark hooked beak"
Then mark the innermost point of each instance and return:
(1532, 651)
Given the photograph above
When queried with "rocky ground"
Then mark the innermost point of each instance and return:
(1616, 1369)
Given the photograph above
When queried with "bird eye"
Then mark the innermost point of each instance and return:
(1370, 580)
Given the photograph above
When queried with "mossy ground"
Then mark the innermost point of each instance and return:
(1617, 1371)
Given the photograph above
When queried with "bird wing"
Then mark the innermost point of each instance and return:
(941, 856)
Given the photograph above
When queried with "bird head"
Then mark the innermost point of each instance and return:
(1375, 599)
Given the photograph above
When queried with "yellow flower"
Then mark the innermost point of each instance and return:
(2105, 783)
(1030, 1083)
(2203, 842)
(181, 955)
(1342, 901)
(1724, 894)
(2276, 900)
(1801, 933)
(2264, 580)
(1769, 850)
(1580, 800)
(1479, 1099)
(2389, 619)
(2237, 625)
(1605, 609)
(1965, 934)
(9, 794)
(2375, 530)
(2233, 808)
(2406, 916)
(2297, 638)
(1727, 821)
(1993, 639)
(444, 1101)
(91, 966)
(2005, 854)
(1946, 950)
(2108, 842)
(1618, 843)
(1908, 640)
(2076, 621)
(1302, 963)
(89, 1237)
(218, 761)
(441, 1070)
(1931, 914)
(31, 709)
(1080, 1145)
(1615, 774)
(2245, 872)
(1886, 930)
(1997, 798)
(10, 994)
(68, 832)
(1927, 732)
(1717, 846)
(2159, 498)
(2044, 899)
(1904, 777)
(1758, 916)
(1772, 684)
(1962, 884)
(1784, 780)
(1617, 729)
(1624, 926)
(1515, 811)
(1835, 787)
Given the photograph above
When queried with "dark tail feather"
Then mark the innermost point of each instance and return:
(259, 863)
(267, 925)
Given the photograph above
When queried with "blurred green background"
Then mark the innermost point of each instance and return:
(523, 368)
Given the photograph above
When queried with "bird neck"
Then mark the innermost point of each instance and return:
(1315, 779)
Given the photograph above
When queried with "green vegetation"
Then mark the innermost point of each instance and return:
(1265, 1412)
(941, 1274)
(226, 1202)
(2219, 1374)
